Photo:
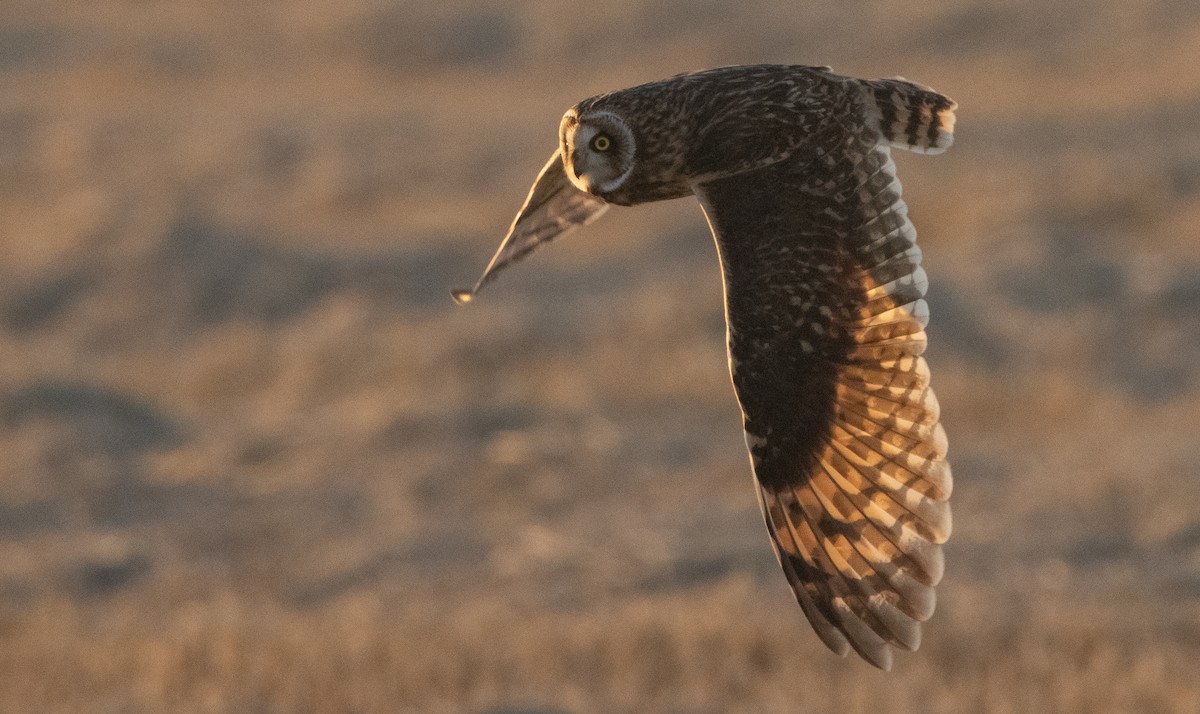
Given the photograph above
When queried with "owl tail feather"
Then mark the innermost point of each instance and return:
(910, 116)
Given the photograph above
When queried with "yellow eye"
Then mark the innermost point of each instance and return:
(601, 142)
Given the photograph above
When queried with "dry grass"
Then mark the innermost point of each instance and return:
(257, 461)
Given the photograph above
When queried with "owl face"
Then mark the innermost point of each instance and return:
(598, 150)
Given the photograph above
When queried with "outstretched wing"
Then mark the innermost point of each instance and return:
(553, 207)
(823, 293)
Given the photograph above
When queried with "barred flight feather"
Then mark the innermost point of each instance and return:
(912, 117)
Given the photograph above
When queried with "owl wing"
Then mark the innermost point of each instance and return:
(553, 207)
(825, 318)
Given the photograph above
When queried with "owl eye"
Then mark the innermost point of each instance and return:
(601, 142)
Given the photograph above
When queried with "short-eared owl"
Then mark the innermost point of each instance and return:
(824, 308)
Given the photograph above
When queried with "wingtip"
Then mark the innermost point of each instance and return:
(462, 297)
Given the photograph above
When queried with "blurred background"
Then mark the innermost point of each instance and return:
(255, 460)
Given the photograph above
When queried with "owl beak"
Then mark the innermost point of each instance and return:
(554, 206)
(576, 172)
(583, 183)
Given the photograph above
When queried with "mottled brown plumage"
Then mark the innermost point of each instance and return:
(824, 306)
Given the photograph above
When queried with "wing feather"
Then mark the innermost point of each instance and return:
(855, 556)
(553, 207)
(812, 593)
(849, 597)
(826, 315)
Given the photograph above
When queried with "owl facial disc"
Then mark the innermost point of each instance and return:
(598, 151)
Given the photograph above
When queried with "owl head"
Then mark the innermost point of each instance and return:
(598, 150)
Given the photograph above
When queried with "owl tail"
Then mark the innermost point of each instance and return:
(910, 116)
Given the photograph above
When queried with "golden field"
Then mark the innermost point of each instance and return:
(257, 461)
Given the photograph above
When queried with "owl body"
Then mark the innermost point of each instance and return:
(718, 122)
(825, 310)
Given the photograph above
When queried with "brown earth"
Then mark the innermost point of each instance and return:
(257, 461)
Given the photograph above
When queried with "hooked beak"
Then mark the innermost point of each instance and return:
(554, 206)
(577, 178)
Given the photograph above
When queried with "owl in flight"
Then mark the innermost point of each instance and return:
(824, 310)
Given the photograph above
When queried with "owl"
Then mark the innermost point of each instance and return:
(824, 310)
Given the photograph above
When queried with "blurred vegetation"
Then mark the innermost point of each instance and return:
(256, 460)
